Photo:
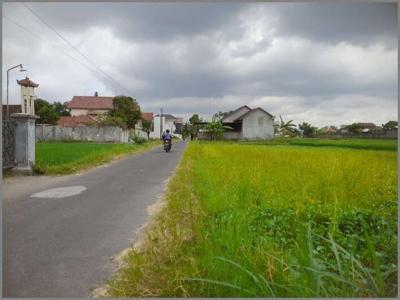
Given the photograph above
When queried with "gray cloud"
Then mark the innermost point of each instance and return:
(297, 60)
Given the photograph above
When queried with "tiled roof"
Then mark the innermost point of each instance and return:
(147, 116)
(75, 121)
(13, 108)
(27, 82)
(91, 102)
(166, 116)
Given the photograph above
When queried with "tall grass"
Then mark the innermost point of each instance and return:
(54, 158)
(252, 221)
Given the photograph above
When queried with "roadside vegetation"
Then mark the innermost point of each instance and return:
(246, 220)
(57, 158)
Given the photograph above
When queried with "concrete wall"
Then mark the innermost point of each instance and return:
(85, 133)
(257, 126)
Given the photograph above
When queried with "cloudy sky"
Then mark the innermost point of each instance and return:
(320, 63)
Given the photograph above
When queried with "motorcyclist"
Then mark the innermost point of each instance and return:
(167, 137)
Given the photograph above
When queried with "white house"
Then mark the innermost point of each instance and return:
(166, 121)
(247, 124)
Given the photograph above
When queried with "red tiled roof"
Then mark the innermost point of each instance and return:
(13, 108)
(75, 121)
(27, 82)
(147, 116)
(91, 102)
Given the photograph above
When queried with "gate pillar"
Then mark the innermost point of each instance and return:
(24, 142)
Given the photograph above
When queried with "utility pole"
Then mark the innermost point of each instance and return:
(161, 127)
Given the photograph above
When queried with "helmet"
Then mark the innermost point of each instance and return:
(167, 130)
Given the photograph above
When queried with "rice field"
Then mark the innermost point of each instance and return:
(55, 158)
(257, 220)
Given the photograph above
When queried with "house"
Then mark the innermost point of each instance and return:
(90, 105)
(247, 124)
(167, 121)
(328, 129)
(88, 108)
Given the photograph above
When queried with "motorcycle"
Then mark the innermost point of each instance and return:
(167, 145)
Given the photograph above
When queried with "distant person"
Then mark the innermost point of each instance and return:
(167, 139)
(167, 136)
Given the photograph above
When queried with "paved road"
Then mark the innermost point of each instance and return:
(62, 247)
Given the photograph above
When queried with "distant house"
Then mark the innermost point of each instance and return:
(166, 121)
(90, 105)
(328, 129)
(85, 110)
(13, 109)
(247, 124)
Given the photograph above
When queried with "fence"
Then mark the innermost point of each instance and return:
(85, 133)
(8, 144)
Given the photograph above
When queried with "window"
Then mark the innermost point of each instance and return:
(260, 121)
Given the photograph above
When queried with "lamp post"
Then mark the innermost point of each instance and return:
(21, 69)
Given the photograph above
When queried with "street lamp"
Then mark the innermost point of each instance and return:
(21, 69)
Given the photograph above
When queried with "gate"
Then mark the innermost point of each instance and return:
(8, 144)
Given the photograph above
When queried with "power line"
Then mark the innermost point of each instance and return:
(75, 48)
(54, 47)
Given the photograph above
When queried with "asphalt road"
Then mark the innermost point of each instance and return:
(62, 247)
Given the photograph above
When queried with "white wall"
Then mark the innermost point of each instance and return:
(28, 97)
(166, 124)
(258, 126)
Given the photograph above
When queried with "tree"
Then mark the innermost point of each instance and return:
(62, 109)
(390, 125)
(354, 128)
(286, 128)
(186, 130)
(146, 125)
(125, 109)
(107, 120)
(215, 128)
(308, 130)
(46, 112)
(195, 126)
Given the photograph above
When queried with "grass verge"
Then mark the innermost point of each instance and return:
(256, 221)
(59, 158)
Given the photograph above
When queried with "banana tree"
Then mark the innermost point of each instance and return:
(215, 128)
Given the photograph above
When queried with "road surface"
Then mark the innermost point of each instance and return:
(62, 246)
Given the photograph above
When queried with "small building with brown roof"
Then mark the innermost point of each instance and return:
(90, 105)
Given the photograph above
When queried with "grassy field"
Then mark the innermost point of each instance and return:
(366, 144)
(53, 158)
(271, 221)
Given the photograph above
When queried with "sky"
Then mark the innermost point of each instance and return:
(326, 64)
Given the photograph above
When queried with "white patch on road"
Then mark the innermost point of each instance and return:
(62, 192)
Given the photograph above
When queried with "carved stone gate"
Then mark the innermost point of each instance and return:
(8, 138)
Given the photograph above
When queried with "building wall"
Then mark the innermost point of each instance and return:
(257, 126)
(166, 124)
(85, 133)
